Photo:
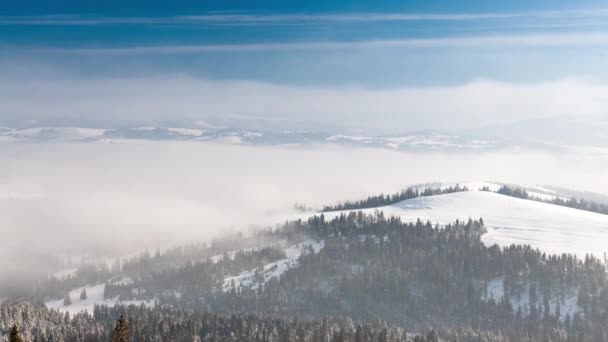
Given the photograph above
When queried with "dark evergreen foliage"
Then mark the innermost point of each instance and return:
(67, 300)
(14, 335)
(121, 330)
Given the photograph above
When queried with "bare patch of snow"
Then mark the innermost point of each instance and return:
(58, 133)
(145, 128)
(273, 269)
(94, 297)
(69, 272)
(122, 281)
(186, 131)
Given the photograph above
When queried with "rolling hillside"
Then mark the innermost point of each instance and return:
(551, 228)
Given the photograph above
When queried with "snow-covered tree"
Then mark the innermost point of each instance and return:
(67, 300)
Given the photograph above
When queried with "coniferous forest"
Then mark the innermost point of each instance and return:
(375, 279)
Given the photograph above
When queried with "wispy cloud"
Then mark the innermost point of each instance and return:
(522, 40)
(252, 18)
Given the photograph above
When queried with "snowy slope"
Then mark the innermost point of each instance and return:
(95, 293)
(94, 297)
(273, 269)
(551, 228)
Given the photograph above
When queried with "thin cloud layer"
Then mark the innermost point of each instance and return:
(112, 102)
(578, 39)
(295, 18)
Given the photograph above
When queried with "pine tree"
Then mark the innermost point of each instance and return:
(382, 336)
(432, 336)
(83, 294)
(287, 335)
(121, 331)
(14, 334)
(67, 300)
(558, 310)
(359, 334)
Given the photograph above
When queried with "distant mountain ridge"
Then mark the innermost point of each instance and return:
(549, 134)
(414, 141)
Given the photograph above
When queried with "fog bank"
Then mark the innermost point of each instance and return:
(117, 198)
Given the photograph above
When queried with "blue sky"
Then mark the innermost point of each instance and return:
(158, 8)
(333, 44)
(57, 32)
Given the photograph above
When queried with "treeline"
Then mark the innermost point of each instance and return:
(24, 321)
(581, 204)
(382, 200)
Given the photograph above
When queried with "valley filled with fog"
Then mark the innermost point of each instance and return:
(104, 200)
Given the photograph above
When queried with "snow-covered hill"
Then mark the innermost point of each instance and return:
(509, 220)
(551, 228)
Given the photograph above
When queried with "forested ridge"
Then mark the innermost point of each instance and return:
(415, 192)
(573, 202)
(382, 199)
(415, 276)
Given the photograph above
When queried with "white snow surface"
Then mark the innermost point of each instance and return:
(94, 296)
(68, 272)
(432, 141)
(122, 281)
(61, 133)
(273, 269)
(186, 131)
(551, 228)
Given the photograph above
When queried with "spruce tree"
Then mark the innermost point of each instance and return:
(121, 331)
(83, 294)
(67, 300)
(432, 336)
(359, 334)
(14, 334)
(383, 335)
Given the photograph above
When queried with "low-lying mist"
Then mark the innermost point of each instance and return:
(113, 199)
